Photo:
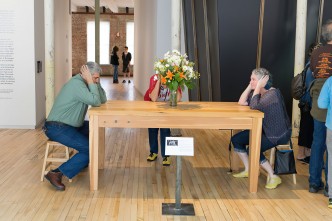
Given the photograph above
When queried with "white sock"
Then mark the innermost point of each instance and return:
(244, 159)
(268, 168)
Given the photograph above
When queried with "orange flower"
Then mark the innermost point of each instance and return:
(169, 75)
(182, 75)
(176, 68)
(163, 80)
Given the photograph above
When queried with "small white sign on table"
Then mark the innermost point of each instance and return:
(179, 146)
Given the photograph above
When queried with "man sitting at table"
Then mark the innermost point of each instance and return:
(65, 123)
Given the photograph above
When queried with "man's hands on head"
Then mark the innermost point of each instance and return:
(86, 75)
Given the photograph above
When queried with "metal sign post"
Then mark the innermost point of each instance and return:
(184, 209)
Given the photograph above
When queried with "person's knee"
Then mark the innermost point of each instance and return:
(234, 140)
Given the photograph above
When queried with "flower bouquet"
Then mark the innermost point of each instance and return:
(175, 70)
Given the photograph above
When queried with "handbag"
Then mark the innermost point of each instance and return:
(284, 162)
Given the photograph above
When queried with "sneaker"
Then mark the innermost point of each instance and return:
(124, 81)
(166, 161)
(314, 188)
(152, 157)
(243, 174)
(330, 203)
(273, 183)
(129, 81)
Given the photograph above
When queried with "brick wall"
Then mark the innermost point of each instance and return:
(79, 38)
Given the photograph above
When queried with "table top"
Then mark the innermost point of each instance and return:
(193, 109)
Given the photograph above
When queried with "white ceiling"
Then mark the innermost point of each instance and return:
(113, 5)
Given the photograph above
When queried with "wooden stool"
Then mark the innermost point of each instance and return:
(272, 156)
(50, 156)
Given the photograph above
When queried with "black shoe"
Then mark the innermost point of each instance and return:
(115, 81)
(129, 81)
(305, 160)
(326, 191)
(124, 81)
(314, 189)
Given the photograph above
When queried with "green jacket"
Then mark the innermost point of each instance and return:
(315, 88)
(71, 104)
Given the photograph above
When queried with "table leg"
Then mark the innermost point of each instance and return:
(93, 147)
(101, 148)
(254, 152)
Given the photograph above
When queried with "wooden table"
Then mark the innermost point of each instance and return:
(193, 115)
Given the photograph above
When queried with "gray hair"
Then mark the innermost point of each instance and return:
(327, 30)
(260, 72)
(94, 67)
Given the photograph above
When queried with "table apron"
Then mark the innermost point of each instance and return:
(175, 122)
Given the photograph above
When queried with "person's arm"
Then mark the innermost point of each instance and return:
(243, 100)
(324, 96)
(87, 94)
(155, 91)
(179, 94)
(261, 84)
(102, 93)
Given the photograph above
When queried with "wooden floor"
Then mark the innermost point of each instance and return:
(130, 188)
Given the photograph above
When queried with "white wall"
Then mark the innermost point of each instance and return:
(145, 42)
(18, 100)
(152, 38)
(40, 56)
(62, 44)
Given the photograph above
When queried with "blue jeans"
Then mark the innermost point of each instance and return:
(241, 141)
(153, 139)
(74, 137)
(115, 74)
(318, 149)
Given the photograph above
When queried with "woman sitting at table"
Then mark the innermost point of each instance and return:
(158, 92)
(259, 95)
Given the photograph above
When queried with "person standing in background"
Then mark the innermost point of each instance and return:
(321, 66)
(306, 122)
(325, 102)
(126, 58)
(115, 63)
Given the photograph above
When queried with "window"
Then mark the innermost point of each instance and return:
(130, 40)
(104, 41)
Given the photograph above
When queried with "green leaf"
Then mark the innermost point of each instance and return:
(174, 85)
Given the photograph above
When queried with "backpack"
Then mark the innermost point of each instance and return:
(298, 87)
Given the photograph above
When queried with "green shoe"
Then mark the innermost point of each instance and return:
(243, 174)
(166, 161)
(152, 157)
(330, 203)
(273, 183)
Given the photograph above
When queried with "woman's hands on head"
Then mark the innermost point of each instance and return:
(263, 81)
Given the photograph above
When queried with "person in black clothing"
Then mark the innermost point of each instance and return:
(126, 58)
(306, 121)
(115, 63)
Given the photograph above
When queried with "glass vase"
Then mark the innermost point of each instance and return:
(173, 98)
